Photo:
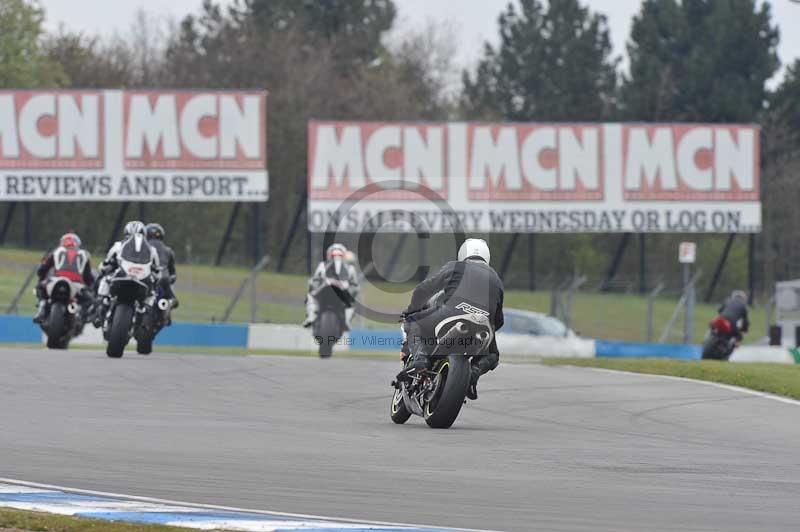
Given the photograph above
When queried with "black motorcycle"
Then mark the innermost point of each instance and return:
(438, 394)
(155, 318)
(334, 299)
(131, 299)
(720, 340)
(63, 313)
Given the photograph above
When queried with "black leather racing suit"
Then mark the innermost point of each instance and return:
(735, 311)
(166, 257)
(473, 282)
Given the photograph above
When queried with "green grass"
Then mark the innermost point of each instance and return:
(779, 379)
(36, 522)
(206, 291)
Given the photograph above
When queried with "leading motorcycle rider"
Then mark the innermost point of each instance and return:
(336, 267)
(734, 310)
(67, 260)
(111, 263)
(471, 283)
(166, 257)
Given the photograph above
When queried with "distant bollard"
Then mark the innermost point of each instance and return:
(775, 333)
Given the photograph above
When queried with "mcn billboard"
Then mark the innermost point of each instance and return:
(133, 145)
(612, 177)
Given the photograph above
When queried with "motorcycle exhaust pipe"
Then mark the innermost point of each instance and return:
(163, 304)
(72, 308)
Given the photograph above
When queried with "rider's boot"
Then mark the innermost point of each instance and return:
(100, 313)
(472, 391)
(419, 362)
(40, 310)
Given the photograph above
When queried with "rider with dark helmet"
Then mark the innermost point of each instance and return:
(734, 311)
(67, 260)
(468, 283)
(155, 237)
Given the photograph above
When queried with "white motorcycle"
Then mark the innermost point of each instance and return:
(131, 298)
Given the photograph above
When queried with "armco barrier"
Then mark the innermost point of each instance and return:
(604, 348)
(19, 329)
(204, 335)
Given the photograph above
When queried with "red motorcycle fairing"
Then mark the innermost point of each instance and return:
(722, 325)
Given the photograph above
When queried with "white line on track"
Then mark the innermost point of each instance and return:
(748, 391)
(229, 508)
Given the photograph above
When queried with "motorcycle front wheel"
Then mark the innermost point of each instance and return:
(453, 373)
(397, 410)
(120, 327)
(329, 328)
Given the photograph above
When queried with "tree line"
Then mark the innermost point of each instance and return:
(687, 60)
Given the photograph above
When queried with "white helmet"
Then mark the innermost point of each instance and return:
(335, 250)
(474, 248)
(134, 227)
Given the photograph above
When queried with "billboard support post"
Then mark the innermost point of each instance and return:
(226, 236)
(720, 266)
(615, 262)
(398, 249)
(287, 243)
(508, 255)
(642, 263)
(531, 261)
(309, 247)
(751, 266)
(28, 234)
(7, 222)
(115, 230)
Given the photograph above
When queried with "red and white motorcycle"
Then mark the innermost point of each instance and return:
(64, 318)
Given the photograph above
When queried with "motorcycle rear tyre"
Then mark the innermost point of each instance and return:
(56, 323)
(453, 391)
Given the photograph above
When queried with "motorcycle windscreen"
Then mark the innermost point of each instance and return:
(136, 249)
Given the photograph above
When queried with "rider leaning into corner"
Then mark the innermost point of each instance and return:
(734, 311)
(67, 260)
(335, 267)
(469, 283)
(166, 257)
(111, 263)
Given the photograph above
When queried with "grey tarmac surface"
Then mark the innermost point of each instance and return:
(557, 449)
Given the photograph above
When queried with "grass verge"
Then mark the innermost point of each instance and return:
(779, 379)
(36, 521)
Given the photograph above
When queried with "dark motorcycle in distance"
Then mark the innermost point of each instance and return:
(131, 299)
(437, 395)
(155, 318)
(64, 318)
(720, 340)
(333, 298)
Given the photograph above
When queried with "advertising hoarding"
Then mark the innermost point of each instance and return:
(133, 146)
(537, 177)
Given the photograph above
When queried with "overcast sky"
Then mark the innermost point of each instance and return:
(474, 20)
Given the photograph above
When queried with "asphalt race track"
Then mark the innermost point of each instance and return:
(543, 448)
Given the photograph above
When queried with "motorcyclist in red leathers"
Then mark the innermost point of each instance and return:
(68, 260)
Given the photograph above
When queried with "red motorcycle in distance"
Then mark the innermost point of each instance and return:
(64, 317)
(720, 341)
